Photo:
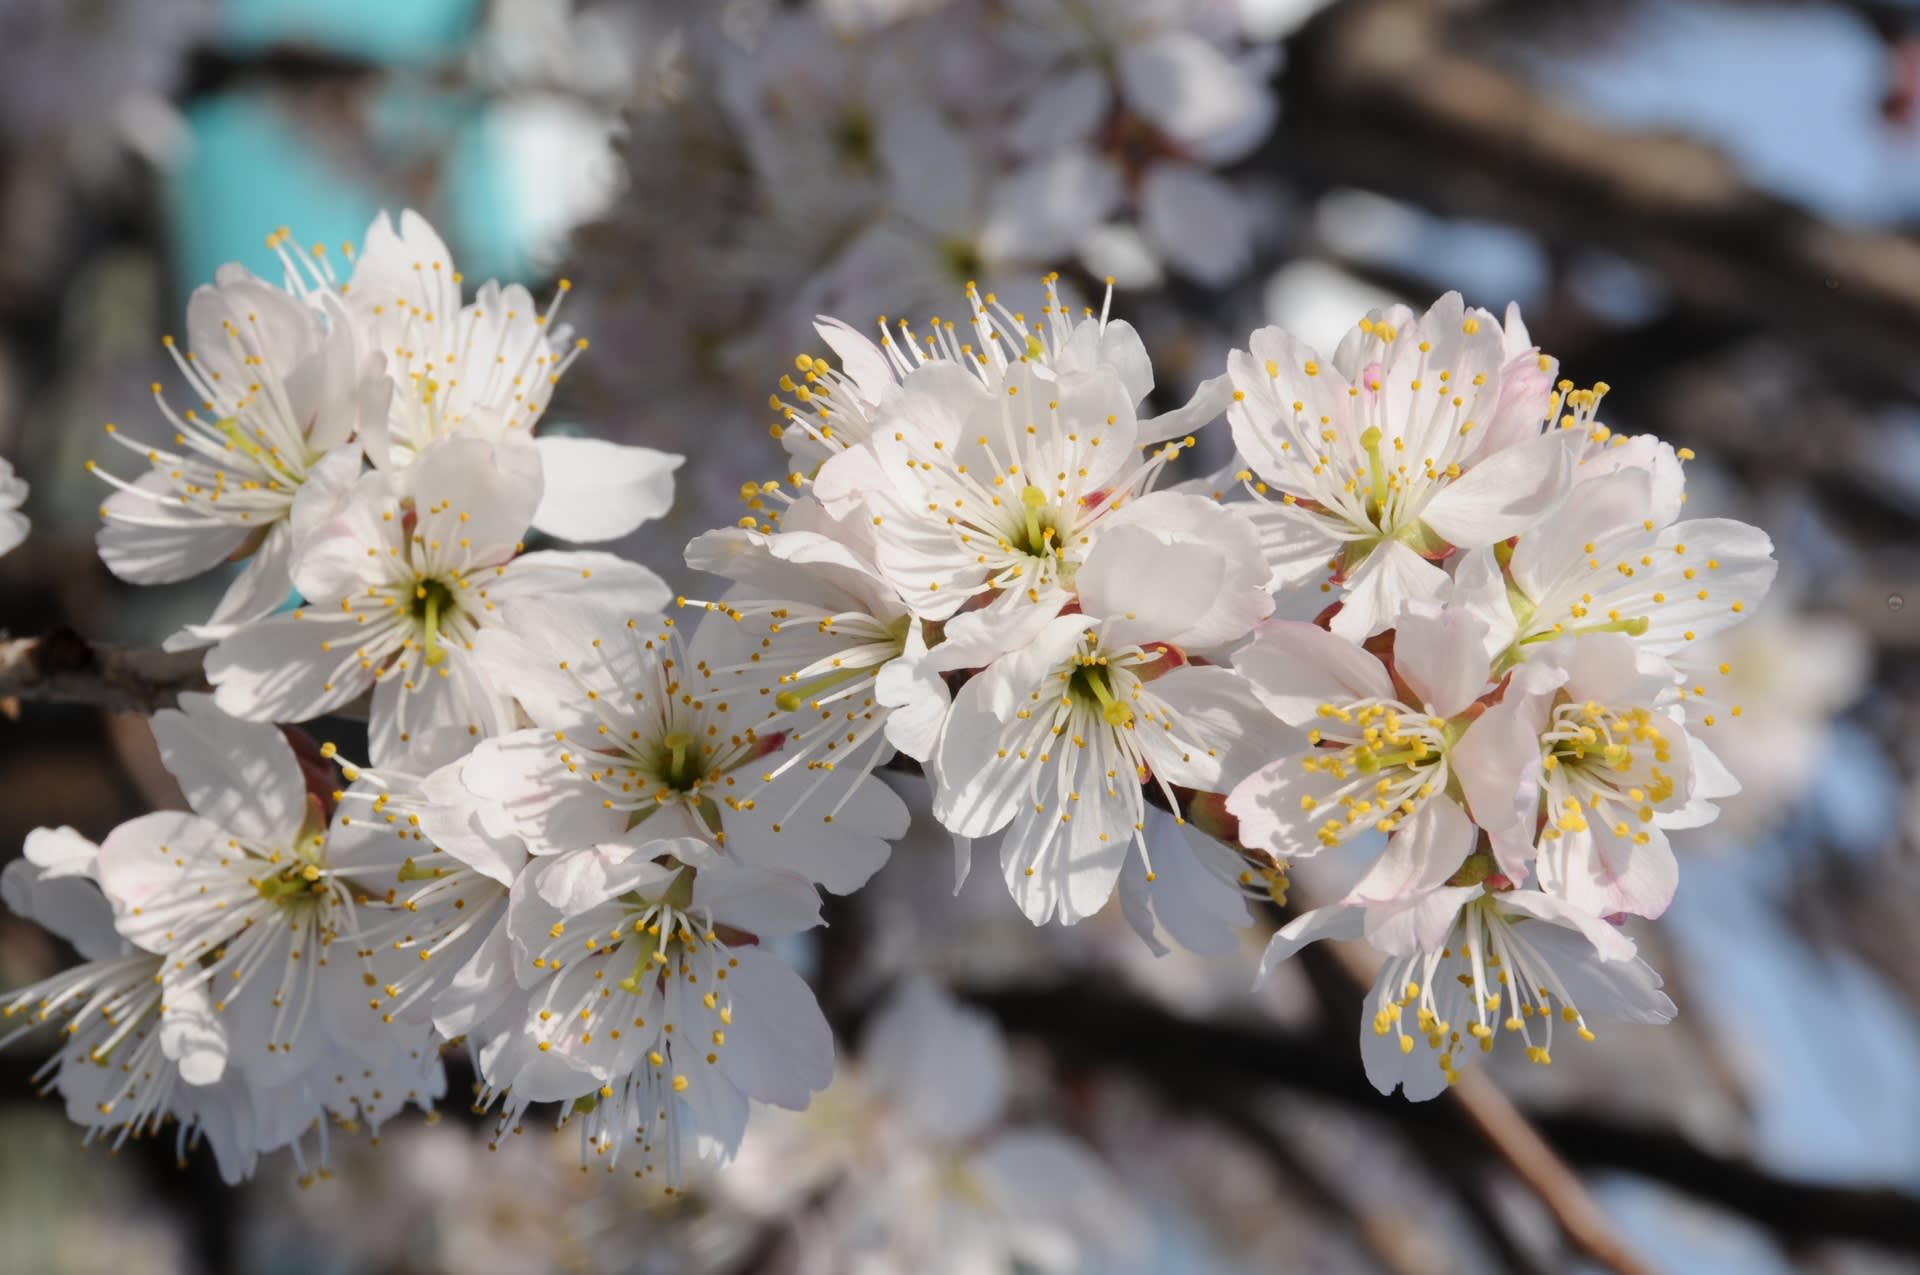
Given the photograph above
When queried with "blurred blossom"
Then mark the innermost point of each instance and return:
(1789, 672)
(876, 159)
(908, 1168)
(443, 1197)
(76, 64)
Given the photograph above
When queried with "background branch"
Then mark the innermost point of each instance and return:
(1106, 1030)
(62, 667)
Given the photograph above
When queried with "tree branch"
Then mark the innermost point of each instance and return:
(62, 667)
(1104, 1030)
(1383, 94)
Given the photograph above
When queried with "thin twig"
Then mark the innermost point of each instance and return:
(1513, 1137)
(61, 667)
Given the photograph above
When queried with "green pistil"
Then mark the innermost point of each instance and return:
(289, 885)
(1376, 473)
(432, 604)
(648, 959)
(683, 766)
(1091, 679)
(229, 427)
(1039, 534)
(1368, 762)
(790, 700)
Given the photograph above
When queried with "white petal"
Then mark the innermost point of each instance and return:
(1604, 873)
(1296, 544)
(1626, 990)
(475, 498)
(596, 490)
(1201, 909)
(779, 1049)
(1392, 576)
(1479, 588)
(1504, 494)
(1419, 923)
(1210, 707)
(1427, 849)
(767, 903)
(140, 865)
(195, 1038)
(162, 541)
(1441, 652)
(1498, 765)
(1605, 939)
(1336, 922)
(1294, 668)
(240, 776)
(276, 670)
(861, 360)
(433, 714)
(1176, 568)
(263, 586)
(1061, 109)
(1040, 211)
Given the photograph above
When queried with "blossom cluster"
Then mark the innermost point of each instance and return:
(597, 817)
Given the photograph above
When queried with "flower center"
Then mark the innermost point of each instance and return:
(1092, 685)
(432, 607)
(1384, 759)
(1601, 758)
(679, 762)
(1038, 534)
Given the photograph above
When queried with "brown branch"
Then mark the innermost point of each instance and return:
(62, 667)
(1513, 1137)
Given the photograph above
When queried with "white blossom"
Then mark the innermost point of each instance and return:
(651, 1005)
(136, 1050)
(281, 385)
(1406, 444)
(1507, 960)
(638, 736)
(398, 579)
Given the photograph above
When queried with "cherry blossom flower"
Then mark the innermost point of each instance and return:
(1054, 741)
(826, 633)
(484, 370)
(1409, 442)
(244, 902)
(651, 1004)
(1508, 960)
(137, 1051)
(638, 736)
(1615, 558)
(1412, 750)
(398, 579)
(1620, 769)
(420, 849)
(282, 383)
(1001, 494)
